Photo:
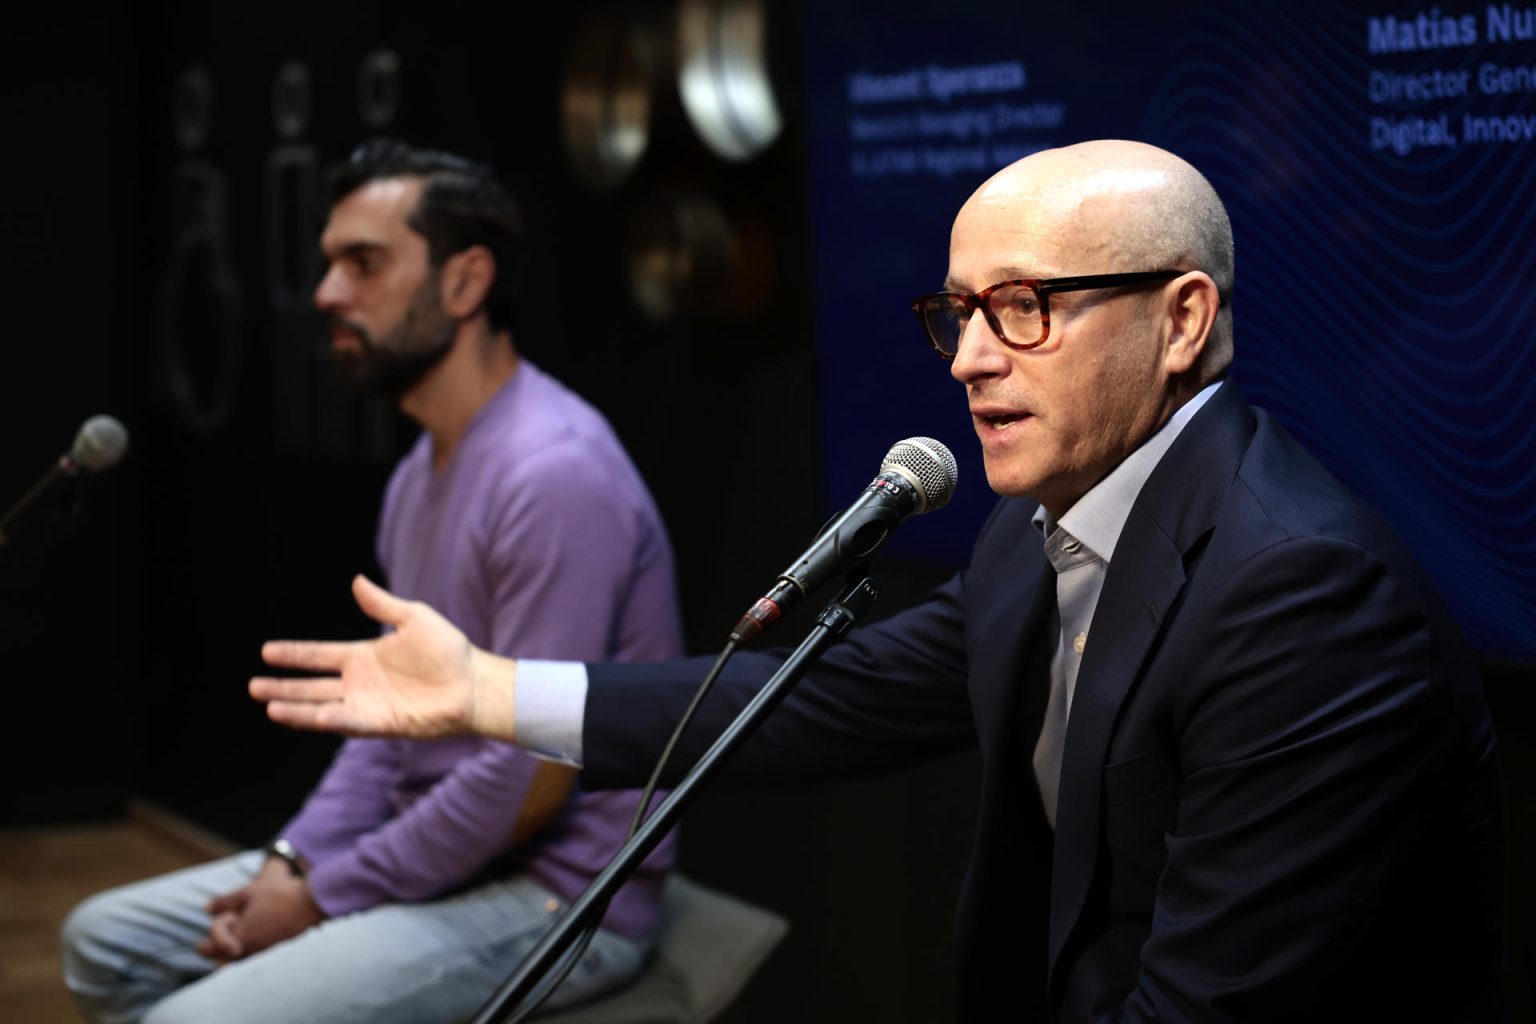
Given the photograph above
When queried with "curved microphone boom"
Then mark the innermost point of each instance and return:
(917, 475)
(100, 444)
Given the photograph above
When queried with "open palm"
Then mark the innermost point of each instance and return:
(416, 680)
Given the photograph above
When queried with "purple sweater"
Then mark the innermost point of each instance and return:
(538, 540)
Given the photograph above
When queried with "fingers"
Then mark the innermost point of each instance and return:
(301, 691)
(310, 655)
(295, 716)
(221, 943)
(323, 656)
(315, 704)
(377, 603)
(319, 718)
(232, 900)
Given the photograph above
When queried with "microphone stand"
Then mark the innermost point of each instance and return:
(831, 625)
(62, 468)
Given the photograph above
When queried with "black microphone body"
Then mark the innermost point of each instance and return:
(918, 475)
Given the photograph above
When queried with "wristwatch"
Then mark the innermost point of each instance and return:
(283, 850)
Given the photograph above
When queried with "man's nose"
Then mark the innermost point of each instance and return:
(979, 352)
(331, 290)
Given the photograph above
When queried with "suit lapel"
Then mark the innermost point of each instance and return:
(1019, 590)
(1143, 582)
(1178, 505)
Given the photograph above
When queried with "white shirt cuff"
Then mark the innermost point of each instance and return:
(548, 706)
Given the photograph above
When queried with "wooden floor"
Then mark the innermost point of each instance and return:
(45, 871)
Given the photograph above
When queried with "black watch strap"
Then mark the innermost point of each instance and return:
(283, 850)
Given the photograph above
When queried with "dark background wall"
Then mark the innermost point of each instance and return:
(135, 604)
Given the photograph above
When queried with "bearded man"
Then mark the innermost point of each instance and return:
(418, 874)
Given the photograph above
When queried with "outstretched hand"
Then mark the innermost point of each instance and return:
(419, 680)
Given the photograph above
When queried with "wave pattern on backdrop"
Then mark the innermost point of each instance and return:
(1384, 259)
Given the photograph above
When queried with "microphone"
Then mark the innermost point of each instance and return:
(99, 445)
(917, 475)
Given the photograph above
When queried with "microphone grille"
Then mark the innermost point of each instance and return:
(101, 444)
(931, 464)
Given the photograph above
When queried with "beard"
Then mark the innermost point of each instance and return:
(393, 363)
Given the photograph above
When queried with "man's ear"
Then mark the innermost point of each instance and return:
(466, 281)
(1193, 303)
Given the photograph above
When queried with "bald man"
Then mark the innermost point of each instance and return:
(1237, 764)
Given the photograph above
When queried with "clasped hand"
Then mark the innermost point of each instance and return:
(274, 906)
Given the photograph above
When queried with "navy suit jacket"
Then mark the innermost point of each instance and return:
(1278, 795)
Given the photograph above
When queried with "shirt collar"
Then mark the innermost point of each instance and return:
(1098, 516)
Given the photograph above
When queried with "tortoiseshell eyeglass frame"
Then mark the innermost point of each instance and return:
(924, 304)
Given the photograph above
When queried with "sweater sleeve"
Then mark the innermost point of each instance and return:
(351, 800)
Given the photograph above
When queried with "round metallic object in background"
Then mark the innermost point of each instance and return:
(606, 101)
(722, 74)
(681, 252)
(689, 258)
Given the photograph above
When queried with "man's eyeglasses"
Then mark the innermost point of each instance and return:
(1017, 311)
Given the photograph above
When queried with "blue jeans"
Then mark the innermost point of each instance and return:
(130, 954)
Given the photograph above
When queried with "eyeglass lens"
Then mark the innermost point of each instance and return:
(1015, 308)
